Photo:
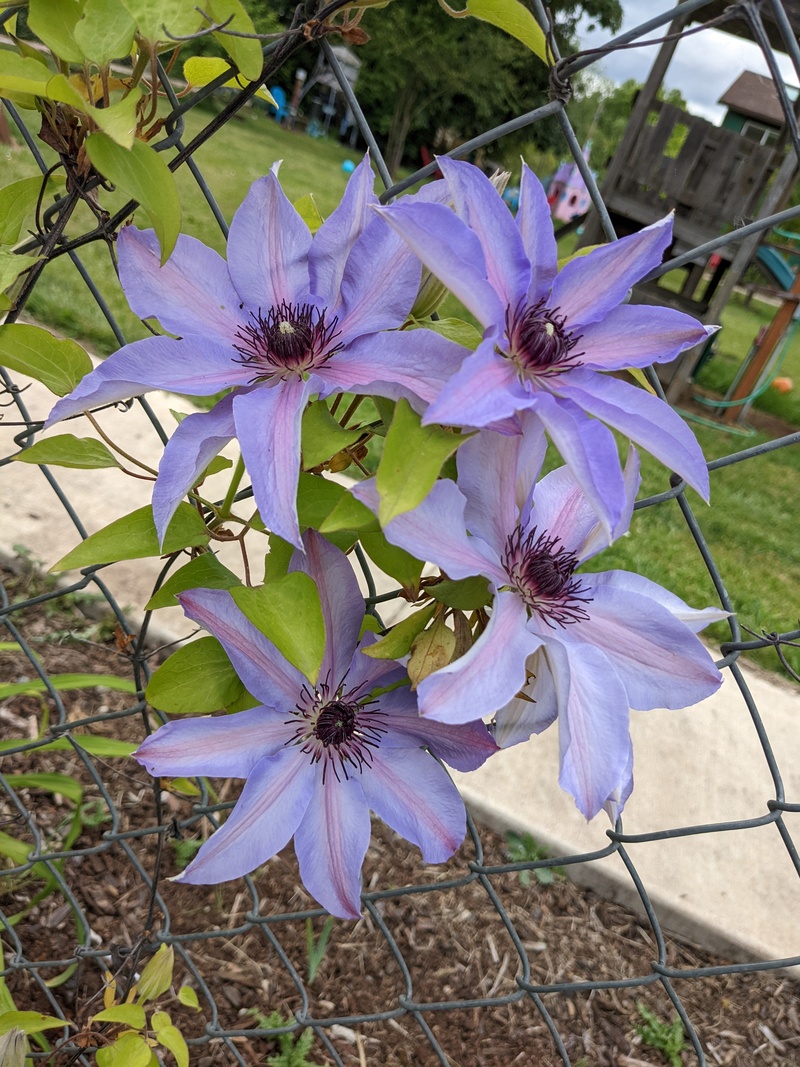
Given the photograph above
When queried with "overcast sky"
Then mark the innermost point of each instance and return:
(703, 67)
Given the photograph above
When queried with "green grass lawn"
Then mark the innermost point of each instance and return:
(752, 524)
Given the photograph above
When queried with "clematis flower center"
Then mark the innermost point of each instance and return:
(288, 339)
(340, 730)
(540, 570)
(538, 341)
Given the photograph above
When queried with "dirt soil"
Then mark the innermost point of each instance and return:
(447, 942)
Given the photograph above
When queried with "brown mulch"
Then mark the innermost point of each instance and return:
(451, 939)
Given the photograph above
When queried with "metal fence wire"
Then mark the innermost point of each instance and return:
(254, 918)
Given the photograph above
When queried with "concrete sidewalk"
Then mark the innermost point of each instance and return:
(737, 892)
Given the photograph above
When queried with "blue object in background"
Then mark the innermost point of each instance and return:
(279, 96)
(348, 166)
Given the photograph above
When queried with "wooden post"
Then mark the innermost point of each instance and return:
(592, 232)
(777, 328)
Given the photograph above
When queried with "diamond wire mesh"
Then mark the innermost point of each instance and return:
(156, 922)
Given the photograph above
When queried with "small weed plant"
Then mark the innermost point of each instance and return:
(524, 848)
(666, 1038)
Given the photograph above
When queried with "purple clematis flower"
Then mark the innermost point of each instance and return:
(594, 645)
(548, 333)
(287, 318)
(318, 758)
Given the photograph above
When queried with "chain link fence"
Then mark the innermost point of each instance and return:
(54, 971)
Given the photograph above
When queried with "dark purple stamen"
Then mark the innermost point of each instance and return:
(541, 570)
(538, 341)
(337, 729)
(289, 338)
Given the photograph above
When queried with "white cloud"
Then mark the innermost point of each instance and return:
(703, 67)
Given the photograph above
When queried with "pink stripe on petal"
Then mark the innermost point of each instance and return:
(411, 793)
(331, 844)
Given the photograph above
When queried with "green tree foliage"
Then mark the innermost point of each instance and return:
(423, 70)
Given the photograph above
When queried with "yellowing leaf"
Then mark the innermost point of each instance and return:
(432, 650)
(157, 976)
(306, 208)
(200, 70)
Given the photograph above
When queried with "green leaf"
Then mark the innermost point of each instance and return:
(349, 514)
(246, 53)
(12, 265)
(134, 537)
(322, 436)
(466, 595)
(142, 174)
(30, 350)
(51, 782)
(157, 976)
(316, 499)
(204, 572)
(104, 31)
(188, 997)
(53, 22)
(462, 333)
(180, 17)
(107, 747)
(171, 1038)
(401, 637)
(639, 375)
(306, 208)
(432, 650)
(577, 255)
(64, 682)
(129, 1050)
(130, 1014)
(197, 678)
(20, 75)
(289, 613)
(513, 18)
(394, 561)
(30, 1022)
(412, 458)
(276, 561)
(200, 70)
(17, 201)
(66, 450)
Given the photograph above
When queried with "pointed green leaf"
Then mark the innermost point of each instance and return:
(456, 330)
(50, 782)
(171, 1038)
(53, 21)
(196, 679)
(349, 514)
(17, 201)
(30, 350)
(157, 976)
(577, 255)
(107, 747)
(12, 265)
(306, 208)
(245, 52)
(401, 637)
(466, 595)
(394, 561)
(204, 572)
(66, 450)
(513, 18)
(412, 458)
(130, 1014)
(30, 1022)
(64, 682)
(288, 612)
(200, 70)
(134, 537)
(129, 1050)
(322, 436)
(20, 74)
(276, 561)
(104, 31)
(639, 375)
(188, 997)
(316, 499)
(142, 174)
